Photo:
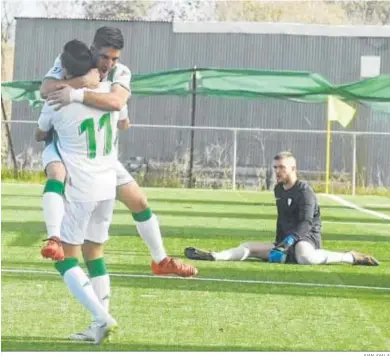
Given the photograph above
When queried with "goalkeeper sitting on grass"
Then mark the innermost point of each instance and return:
(298, 230)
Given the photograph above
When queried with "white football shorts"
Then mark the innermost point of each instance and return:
(87, 221)
(50, 154)
(122, 175)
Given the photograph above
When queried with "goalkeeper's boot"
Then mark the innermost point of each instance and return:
(170, 265)
(53, 249)
(363, 260)
(197, 254)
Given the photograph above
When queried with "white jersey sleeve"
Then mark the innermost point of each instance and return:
(45, 120)
(121, 75)
(56, 72)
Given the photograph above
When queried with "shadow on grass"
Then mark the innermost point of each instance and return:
(13, 343)
(237, 203)
(298, 276)
(31, 232)
(255, 215)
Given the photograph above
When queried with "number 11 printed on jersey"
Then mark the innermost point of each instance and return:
(88, 126)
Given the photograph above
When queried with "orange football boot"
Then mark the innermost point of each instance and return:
(170, 265)
(53, 249)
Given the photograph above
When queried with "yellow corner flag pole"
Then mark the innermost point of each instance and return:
(342, 112)
(328, 151)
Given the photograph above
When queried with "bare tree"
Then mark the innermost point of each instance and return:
(321, 12)
(116, 10)
(167, 10)
(183, 10)
(62, 9)
(9, 9)
(367, 12)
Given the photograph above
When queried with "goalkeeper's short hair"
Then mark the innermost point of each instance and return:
(283, 155)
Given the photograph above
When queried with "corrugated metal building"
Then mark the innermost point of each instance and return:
(334, 52)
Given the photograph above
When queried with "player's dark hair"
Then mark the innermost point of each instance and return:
(282, 155)
(77, 58)
(108, 37)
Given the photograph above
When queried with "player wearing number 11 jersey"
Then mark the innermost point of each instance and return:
(85, 140)
(85, 145)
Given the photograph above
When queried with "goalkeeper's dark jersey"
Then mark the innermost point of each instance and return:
(298, 213)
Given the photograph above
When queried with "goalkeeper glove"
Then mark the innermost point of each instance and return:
(279, 253)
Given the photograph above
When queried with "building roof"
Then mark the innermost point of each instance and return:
(255, 27)
(86, 18)
(283, 28)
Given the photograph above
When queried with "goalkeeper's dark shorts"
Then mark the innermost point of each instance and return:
(291, 251)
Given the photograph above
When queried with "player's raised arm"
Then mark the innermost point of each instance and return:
(55, 77)
(106, 48)
(114, 101)
(120, 89)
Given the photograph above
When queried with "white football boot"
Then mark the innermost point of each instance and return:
(105, 330)
(86, 335)
(97, 332)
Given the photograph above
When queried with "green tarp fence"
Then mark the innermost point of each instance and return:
(302, 87)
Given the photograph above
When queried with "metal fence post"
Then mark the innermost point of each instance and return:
(10, 143)
(354, 164)
(234, 159)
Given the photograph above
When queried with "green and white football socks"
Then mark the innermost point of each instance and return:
(100, 280)
(53, 206)
(149, 229)
(81, 288)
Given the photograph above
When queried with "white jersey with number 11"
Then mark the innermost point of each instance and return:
(85, 143)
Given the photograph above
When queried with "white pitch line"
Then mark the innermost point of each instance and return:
(221, 280)
(248, 192)
(348, 204)
(355, 223)
(22, 184)
(378, 206)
